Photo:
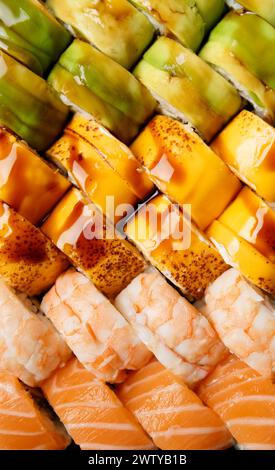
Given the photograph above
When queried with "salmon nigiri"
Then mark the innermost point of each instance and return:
(103, 341)
(245, 320)
(30, 347)
(91, 412)
(174, 330)
(23, 424)
(245, 401)
(170, 412)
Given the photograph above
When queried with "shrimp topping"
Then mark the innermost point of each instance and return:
(244, 319)
(30, 347)
(96, 332)
(180, 337)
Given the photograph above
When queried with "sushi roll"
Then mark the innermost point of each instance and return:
(101, 166)
(95, 331)
(244, 235)
(247, 145)
(87, 79)
(118, 155)
(244, 319)
(28, 106)
(187, 88)
(114, 27)
(30, 347)
(245, 401)
(241, 255)
(26, 179)
(186, 169)
(211, 11)
(37, 40)
(81, 231)
(18, 48)
(253, 220)
(174, 245)
(185, 20)
(265, 9)
(241, 48)
(29, 262)
(179, 336)
(24, 423)
(91, 412)
(171, 413)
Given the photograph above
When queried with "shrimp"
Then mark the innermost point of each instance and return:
(96, 332)
(180, 337)
(244, 319)
(30, 347)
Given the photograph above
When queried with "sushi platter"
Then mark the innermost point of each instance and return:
(137, 225)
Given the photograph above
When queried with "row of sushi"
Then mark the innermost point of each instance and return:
(109, 339)
(120, 29)
(205, 90)
(167, 156)
(107, 346)
(177, 383)
(116, 27)
(33, 350)
(87, 152)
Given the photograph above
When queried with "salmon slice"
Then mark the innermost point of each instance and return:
(91, 412)
(174, 330)
(103, 341)
(171, 413)
(30, 346)
(245, 401)
(23, 426)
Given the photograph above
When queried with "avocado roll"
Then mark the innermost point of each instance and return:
(187, 88)
(19, 49)
(31, 34)
(87, 79)
(211, 11)
(263, 8)
(241, 47)
(184, 20)
(28, 106)
(114, 27)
